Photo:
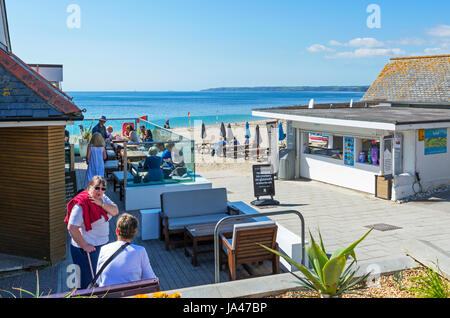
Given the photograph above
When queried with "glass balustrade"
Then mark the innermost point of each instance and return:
(146, 153)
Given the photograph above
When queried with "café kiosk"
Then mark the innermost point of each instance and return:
(403, 120)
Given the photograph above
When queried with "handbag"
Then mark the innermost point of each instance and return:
(93, 283)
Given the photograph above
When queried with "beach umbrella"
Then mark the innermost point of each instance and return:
(247, 130)
(203, 131)
(311, 103)
(258, 140)
(257, 136)
(229, 132)
(223, 132)
(281, 134)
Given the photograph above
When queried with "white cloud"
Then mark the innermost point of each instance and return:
(436, 51)
(365, 42)
(409, 41)
(368, 52)
(335, 43)
(319, 48)
(441, 31)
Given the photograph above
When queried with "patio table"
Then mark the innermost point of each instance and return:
(205, 233)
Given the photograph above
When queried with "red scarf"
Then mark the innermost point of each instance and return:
(91, 211)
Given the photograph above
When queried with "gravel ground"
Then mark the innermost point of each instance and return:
(388, 286)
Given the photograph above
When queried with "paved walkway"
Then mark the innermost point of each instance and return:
(343, 215)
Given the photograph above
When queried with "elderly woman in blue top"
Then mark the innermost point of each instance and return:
(153, 165)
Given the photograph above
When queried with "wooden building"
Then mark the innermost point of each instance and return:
(33, 116)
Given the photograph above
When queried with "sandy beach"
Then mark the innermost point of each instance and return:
(205, 162)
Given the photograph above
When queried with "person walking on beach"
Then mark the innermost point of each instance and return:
(131, 264)
(166, 124)
(95, 157)
(100, 127)
(87, 219)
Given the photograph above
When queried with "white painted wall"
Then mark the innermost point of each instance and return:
(434, 170)
(326, 169)
(148, 197)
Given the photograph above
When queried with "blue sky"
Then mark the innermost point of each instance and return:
(183, 45)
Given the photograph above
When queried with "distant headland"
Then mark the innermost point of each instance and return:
(289, 89)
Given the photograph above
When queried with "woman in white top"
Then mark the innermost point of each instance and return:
(131, 264)
(87, 222)
(95, 157)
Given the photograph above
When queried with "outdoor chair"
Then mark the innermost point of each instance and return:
(243, 247)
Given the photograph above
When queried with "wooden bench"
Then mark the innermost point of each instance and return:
(145, 286)
(118, 180)
(110, 166)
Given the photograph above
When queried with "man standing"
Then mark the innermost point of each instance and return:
(100, 127)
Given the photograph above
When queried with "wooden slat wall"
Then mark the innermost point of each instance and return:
(32, 190)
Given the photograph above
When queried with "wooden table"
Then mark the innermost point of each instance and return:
(205, 233)
(136, 155)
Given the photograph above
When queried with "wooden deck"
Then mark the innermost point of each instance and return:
(172, 267)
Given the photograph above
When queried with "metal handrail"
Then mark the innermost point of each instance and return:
(247, 216)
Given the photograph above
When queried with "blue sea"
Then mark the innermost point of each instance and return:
(209, 107)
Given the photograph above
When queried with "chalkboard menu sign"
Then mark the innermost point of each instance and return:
(263, 181)
(71, 185)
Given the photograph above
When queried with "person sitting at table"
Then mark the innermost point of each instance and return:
(153, 166)
(95, 157)
(132, 135)
(160, 147)
(148, 136)
(167, 155)
(142, 132)
(109, 133)
(131, 264)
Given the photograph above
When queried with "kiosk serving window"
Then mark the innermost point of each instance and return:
(351, 150)
(325, 145)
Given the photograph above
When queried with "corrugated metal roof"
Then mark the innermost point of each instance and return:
(420, 79)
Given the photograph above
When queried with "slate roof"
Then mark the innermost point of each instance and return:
(26, 95)
(413, 80)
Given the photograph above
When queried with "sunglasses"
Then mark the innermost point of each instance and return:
(100, 188)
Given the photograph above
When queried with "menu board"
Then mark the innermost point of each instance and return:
(71, 185)
(349, 151)
(263, 180)
(387, 155)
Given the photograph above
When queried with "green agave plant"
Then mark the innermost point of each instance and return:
(328, 276)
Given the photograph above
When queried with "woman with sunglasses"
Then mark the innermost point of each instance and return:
(87, 219)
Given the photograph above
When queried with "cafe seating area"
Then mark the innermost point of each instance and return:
(181, 209)
(125, 164)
